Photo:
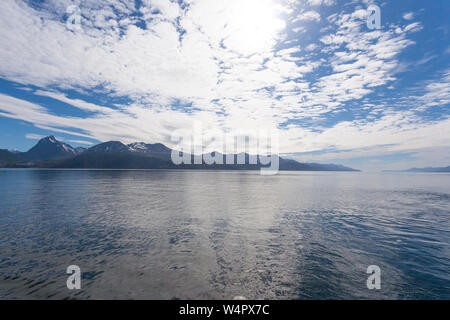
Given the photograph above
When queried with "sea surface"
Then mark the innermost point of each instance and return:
(220, 234)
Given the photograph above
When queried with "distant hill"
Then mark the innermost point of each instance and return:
(438, 169)
(51, 153)
(429, 169)
(8, 158)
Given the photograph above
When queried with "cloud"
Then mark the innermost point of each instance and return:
(413, 27)
(33, 136)
(308, 16)
(320, 2)
(437, 93)
(311, 47)
(88, 143)
(408, 16)
(80, 104)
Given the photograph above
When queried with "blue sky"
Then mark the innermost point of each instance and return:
(137, 70)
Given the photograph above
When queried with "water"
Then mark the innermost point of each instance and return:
(216, 235)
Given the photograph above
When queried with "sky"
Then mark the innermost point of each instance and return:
(137, 70)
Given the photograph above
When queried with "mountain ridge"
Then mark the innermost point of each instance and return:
(51, 153)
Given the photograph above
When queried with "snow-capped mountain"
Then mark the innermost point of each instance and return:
(80, 150)
(156, 150)
(141, 147)
(50, 149)
(137, 146)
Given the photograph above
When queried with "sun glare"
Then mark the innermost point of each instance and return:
(254, 25)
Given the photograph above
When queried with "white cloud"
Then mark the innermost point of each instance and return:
(408, 16)
(87, 143)
(413, 27)
(33, 136)
(320, 2)
(307, 16)
(437, 93)
(311, 47)
(83, 105)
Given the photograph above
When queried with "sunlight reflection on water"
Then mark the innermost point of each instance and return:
(213, 235)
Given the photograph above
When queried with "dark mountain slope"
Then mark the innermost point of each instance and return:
(109, 147)
(111, 160)
(8, 158)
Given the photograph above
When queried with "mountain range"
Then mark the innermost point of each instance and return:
(51, 153)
